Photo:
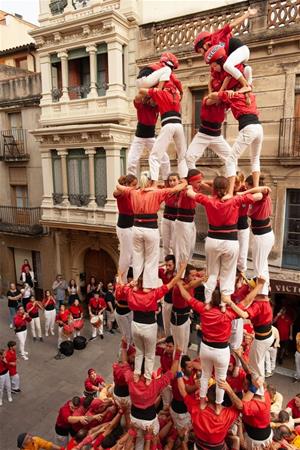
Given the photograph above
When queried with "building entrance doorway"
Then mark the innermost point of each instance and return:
(98, 263)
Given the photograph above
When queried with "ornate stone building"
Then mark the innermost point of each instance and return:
(273, 37)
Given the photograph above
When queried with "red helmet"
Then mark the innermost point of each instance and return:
(200, 39)
(214, 53)
(169, 59)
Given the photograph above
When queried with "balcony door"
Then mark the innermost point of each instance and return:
(20, 200)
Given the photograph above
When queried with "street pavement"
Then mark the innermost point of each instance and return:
(47, 383)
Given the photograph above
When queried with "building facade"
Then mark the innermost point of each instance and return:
(273, 37)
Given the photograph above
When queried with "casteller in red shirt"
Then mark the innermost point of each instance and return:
(295, 408)
(283, 324)
(11, 358)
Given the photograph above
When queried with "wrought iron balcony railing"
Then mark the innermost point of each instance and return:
(13, 145)
(20, 220)
(289, 138)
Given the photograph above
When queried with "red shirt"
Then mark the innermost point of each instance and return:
(209, 427)
(34, 310)
(188, 381)
(76, 311)
(212, 113)
(165, 100)
(11, 357)
(260, 313)
(124, 203)
(89, 384)
(147, 202)
(238, 103)
(49, 302)
(166, 359)
(283, 325)
(244, 207)
(140, 300)
(217, 78)
(186, 202)
(256, 413)
(63, 317)
(96, 304)
(262, 209)
(63, 414)
(165, 276)
(143, 396)
(295, 410)
(20, 322)
(177, 299)
(216, 325)
(118, 374)
(221, 36)
(237, 383)
(223, 213)
(146, 114)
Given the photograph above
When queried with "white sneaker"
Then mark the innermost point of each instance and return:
(46, 334)
(10, 399)
(10, 326)
(25, 357)
(52, 333)
(26, 353)
(1, 403)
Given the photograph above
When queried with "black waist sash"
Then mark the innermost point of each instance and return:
(145, 131)
(215, 344)
(186, 215)
(178, 406)
(18, 330)
(145, 220)
(4, 372)
(180, 315)
(125, 220)
(170, 213)
(247, 119)
(242, 223)
(210, 128)
(122, 311)
(143, 414)
(144, 317)
(202, 445)
(49, 307)
(170, 117)
(267, 328)
(121, 391)
(258, 434)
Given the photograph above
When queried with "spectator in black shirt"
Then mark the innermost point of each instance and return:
(14, 297)
(110, 311)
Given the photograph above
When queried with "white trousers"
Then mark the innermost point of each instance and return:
(49, 321)
(217, 359)
(146, 255)
(167, 232)
(237, 333)
(181, 335)
(154, 78)
(136, 150)
(200, 142)
(98, 330)
(35, 326)
(185, 240)
(221, 260)
(243, 238)
(15, 381)
(21, 338)
(297, 363)
(124, 324)
(251, 135)
(166, 315)
(181, 420)
(257, 358)
(254, 444)
(270, 359)
(125, 248)
(5, 384)
(168, 133)
(240, 55)
(144, 338)
(122, 400)
(166, 396)
(261, 247)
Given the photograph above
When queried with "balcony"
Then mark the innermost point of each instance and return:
(13, 145)
(24, 221)
(289, 141)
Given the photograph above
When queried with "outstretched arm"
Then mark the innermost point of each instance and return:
(251, 296)
(177, 277)
(261, 189)
(236, 401)
(250, 13)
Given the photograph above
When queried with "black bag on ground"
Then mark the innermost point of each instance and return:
(79, 342)
(66, 348)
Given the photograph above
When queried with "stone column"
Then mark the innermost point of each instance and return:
(115, 67)
(46, 77)
(64, 75)
(113, 172)
(63, 158)
(91, 151)
(47, 177)
(57, 236)
(92, 51)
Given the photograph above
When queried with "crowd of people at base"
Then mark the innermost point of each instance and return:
(220, 399)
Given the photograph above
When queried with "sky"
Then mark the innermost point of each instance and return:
(29, 9)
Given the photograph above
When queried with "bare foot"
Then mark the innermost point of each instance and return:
(136, 377)
(203, 403)
(223, 308)
(147, 381)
